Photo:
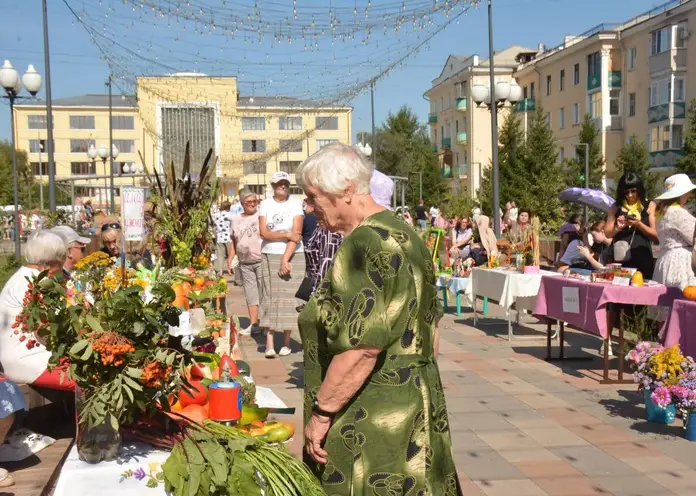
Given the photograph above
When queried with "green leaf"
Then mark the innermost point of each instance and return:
(93, 323)
(139, 327)
(241, 480)
(114, 422)
(87, 353)
(216, 456)
(134, 373)
(132, 383)
(152, 483)
(79, 346)
(128, 392)
(170, 359)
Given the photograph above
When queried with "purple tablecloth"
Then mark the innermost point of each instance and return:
(677, 327)
(593, 300)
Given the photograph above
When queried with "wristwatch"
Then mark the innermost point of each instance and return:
(319, 411)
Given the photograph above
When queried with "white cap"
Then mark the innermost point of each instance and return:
(675, 186)
(280, 176)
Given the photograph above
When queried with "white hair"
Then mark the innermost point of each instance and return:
(333, 168)
(246, 193)
(44, 247)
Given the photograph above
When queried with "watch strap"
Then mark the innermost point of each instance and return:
(320, 411)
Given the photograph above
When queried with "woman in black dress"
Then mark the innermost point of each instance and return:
(631, 224)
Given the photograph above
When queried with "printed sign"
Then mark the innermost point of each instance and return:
(218, 167)
(571, 300)
(133, 211)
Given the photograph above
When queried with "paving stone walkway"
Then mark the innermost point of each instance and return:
(522, 426)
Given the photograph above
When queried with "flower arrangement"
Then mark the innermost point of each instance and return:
(462, 268)
(655, 366)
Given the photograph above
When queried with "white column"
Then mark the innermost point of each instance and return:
(604, 78)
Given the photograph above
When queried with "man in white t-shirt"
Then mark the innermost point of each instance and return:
(434, 212)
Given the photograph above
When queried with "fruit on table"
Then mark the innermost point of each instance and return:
(186, 286)
(181, 302)
(201, 371)
(196, 413)
(196, 395)
(226, 361)
(198, 281)
(251, 413)
(637, 279)
(690, 292)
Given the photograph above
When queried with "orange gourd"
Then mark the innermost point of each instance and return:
(690, 292)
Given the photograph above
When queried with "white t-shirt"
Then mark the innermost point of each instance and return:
(434, 212)
(36, 222)
(279, 217)
(572, 253)
(19, 363)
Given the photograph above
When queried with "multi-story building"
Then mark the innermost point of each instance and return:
(630, 78)
(251, 136)
(459, 129)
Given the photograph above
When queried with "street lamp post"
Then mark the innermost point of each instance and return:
(495, 100)
(103, 153)
(133, 169)
(10, 81)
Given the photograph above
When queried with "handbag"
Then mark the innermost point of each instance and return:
(304, 292)
(622, 249)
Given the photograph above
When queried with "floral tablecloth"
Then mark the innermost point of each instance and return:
(78, 478)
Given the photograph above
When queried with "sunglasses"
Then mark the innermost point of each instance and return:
(109, 227)
(251, 202)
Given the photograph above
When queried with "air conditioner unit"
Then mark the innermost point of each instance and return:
(684, 34)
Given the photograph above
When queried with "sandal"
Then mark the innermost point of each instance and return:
(6, 480)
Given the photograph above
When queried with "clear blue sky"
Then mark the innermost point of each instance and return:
(77, 68)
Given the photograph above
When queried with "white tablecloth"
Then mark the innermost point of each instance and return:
(78, 478)
(505, 286)
(454, 284)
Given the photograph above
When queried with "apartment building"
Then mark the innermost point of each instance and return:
(459, 129)
(251, 136)
(631, 78)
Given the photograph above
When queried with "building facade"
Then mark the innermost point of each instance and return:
(251, 137)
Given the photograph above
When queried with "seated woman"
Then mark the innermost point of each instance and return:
(580, 258)
(44, 251)
(13, 409)
(462, 234)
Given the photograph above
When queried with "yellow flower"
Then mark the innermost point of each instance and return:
(98, 258)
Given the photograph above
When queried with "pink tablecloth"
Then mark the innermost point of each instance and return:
(681, 320)
(593, 300)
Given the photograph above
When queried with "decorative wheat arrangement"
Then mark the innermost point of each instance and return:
(536, 230)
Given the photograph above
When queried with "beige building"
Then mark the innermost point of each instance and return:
(459, 129)
(251, 136)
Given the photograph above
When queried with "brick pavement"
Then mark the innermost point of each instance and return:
(522, 426)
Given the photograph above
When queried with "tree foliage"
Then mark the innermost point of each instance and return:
(575, 168)
(687, 164)
(633, 156)
(25, 177)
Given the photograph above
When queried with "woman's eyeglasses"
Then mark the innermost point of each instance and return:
(250, 202)
(109, 227)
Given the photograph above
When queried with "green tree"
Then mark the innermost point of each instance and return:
(687, 164)
(403, 149)
(575, 168)
(543, 172)
(25, 177)
(633, 156)
(513, 178)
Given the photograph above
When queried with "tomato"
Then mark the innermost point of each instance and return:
(181, 302)
(198, 281)
(197, 395)
(178, 290)
(225, 360)
(201, 371)
(177, 407)
(186, 286)
(196, 413)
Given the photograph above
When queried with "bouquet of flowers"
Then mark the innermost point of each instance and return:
(655, 366)
(462, 267)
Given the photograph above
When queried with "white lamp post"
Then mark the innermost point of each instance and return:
(12, 84)
(103, 153)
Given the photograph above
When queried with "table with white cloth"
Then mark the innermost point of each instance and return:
(506, 288)
(78, 478)
(457, 285)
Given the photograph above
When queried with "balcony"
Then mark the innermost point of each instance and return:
(462, 104)
(666, 111)
(432, 118)
(665, 158)
(669, 60)
(463, 170)
(615, 79)
(435, 147)
(446, 172)
(461, 139)
(525, 105)
(446, 142)
(594, 82)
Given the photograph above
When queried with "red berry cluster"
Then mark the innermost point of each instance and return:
(111, 347)
(21, 324)
(154, 373)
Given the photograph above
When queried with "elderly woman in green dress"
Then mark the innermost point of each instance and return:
(375, 414)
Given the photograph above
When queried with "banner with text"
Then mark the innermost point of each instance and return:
(133, 208)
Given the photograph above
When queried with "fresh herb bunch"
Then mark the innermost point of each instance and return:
(114, 348)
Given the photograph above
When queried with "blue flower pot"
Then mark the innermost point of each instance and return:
(690, 427)
(658, 414)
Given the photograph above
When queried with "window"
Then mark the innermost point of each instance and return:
(561, 80)
(256, 188)
(576, 74)
(321, 143)
(653, 141)
(253, 146)
(631, 58)
(548, 85)
(576, 113)
(531, 91)
(81, 145)
(289, 166)
(37, 121)
(677, 137)
(294, 190)
(254, 167)
(37, 146)
(456, 126)
(665, 138)
(460, 90)
(253, 123)
(660, 40)
(442, 103)
(680, 36)
(596, 104)
(594, 64)
(631, 104)
(524, 92)
(614, 102)
(83, 168)
(39, 169)
(561, 153)
(290, 123)
(548, 119)
(678, 89)
(81, 122)
(122, 122)
(660, 90)
(287, 145)
(125, 146)
(187, 124)
(86, 191)
(326, 123)
(561, 118)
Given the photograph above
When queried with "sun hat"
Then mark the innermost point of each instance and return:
(675, 186)
(381, 189)
(280, 176)
(69, 235)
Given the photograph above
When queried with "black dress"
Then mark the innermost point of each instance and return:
(641, 255)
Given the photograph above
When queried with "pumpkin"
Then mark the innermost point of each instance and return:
(690, 292)
(637, 279)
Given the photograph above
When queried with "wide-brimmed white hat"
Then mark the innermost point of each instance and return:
(675, 186)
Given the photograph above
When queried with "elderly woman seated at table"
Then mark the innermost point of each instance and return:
(44, 251)
(375, 411)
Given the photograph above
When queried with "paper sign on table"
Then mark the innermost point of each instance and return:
(133, 210)
(571, 300)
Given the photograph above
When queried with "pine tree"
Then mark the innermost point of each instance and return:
(542, 172)
(687, 164)
(512, 176)
(633, 156)
(575, 168)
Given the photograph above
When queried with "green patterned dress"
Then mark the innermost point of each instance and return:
(393, 437)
